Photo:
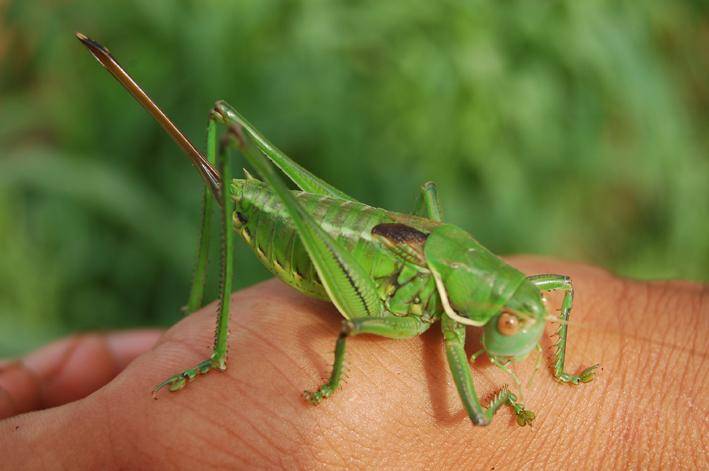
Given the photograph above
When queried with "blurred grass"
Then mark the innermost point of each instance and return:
(574, 129)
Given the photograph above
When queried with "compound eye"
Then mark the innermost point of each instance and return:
(508, 324)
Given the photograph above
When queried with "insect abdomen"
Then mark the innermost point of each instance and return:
(263, 223)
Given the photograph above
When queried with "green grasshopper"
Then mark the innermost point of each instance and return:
(389, 274)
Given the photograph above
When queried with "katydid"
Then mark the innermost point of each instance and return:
(388, 274)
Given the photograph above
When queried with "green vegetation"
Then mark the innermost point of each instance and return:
(573, 129)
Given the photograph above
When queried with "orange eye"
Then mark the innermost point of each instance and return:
(508, 324)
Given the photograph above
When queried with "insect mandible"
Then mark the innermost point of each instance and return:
(388, 274)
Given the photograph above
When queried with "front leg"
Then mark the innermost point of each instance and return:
(550, 283)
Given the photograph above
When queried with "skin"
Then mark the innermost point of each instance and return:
(398, 408)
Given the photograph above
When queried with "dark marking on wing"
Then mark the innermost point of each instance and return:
(405, 241)
(400, 233)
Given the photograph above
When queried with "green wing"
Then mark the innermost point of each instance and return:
(348, 286)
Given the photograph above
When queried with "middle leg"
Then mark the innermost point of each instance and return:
(454, 336)
(389, 326)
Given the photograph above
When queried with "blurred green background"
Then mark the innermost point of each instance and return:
(573, 129)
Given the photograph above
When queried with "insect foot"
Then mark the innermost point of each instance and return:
(180, 380)
(327, 389)
(316, 397)
(524, 416)
(586, 376)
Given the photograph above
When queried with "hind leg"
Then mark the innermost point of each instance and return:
(218, 358)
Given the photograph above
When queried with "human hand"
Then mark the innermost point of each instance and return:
(398, 407)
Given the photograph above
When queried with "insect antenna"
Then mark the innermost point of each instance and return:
(208, 173)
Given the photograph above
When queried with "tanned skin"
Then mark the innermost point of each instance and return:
(85, 402)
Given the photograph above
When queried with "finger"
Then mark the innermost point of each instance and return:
(68, 369)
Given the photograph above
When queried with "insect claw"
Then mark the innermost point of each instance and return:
(588, 374)
(525, 417)
(314, 398)
(173, 383)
